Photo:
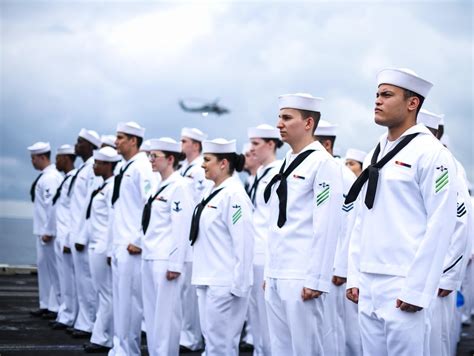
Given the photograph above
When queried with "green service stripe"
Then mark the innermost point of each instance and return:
(324, 191)
(323, 200)
(441, 176)
(441, 182)
(441, 186)
(323, 196)
(236, 217)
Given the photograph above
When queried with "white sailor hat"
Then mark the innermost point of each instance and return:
(246, 147)
(145, 147)
(193, 133)
(164, 144)
(429, 119)
(441, 122)
(106, 154)
(356, 155)
(131, 128)
(325, 128)
(39, 147)
(302, 101)
(404, 78)
(66, 150)
(91, 136)
(264, 131)
(219, 145)
(108, 140)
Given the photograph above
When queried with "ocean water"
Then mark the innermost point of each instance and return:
(18, 245)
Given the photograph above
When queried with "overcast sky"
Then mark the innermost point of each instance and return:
(68, 65)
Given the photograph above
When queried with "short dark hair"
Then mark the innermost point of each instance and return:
(178, 157)
(278, 143)
(316, 115)
(408, 94)
(139, 139)
(324, 138)
(236, 161)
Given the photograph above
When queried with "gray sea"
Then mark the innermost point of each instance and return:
(18, 245)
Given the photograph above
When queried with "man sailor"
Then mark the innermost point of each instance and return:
(306, 200)
(132, 188)
(404, 222)
(42, 192)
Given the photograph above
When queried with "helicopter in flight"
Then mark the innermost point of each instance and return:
(203, 108)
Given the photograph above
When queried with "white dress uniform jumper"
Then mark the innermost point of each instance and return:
(222, 268)
(165, 243)
(304, 226)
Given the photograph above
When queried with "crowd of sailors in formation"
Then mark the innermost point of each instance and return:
(309, 255)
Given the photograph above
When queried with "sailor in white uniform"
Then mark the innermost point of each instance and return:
(42, 191)
(132, 188)
(82, 184)
(442, 309)
(166, 222)
(191, 145)
(223, 238)
(98, 217)
(334, 337)
(264, 141)
(305, 200)
(60, 222)
(405, 219)
(354, 160)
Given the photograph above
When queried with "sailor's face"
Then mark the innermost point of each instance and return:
(354, 166)
(212, 167)
(61, 162)
(260, 149)
(391, 107)
(36, 161)
(158, 161)
(186, 145)
(81, 146)
(251, 162)
(291, 124)
(124, 143)
(100, 168)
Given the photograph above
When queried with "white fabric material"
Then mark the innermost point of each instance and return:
(263, 131)
(167, 236)
(404, 78)
(334, 337)
(441, 312)
(223, 251)
(219, 145)
(66, 150)
(161, 308)
(131, 128)
(302, 101)
(191, 336)
(352, 329)
(39, 147)
(325, 128)
(106, 154)
(193, 133)
(69, 307)
(417, 249)
(304, 248)
(385, 329)
(127, 302)
(356, 155)
(428, 119)
(164, 144)
(222, 316)
(257, 315)
(102, 332)
(48, 278)
(108, 140)
(91, 136)
(294, 324)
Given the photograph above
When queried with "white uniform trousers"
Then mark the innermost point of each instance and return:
(86, 293)
(48, 278)
(334, 338)
(467, 289)
(102, 332)
(191, 336)
(295, 325)
(68, 309)
(441, 313)
(258, 315)
(127, 302)
(222, 317)
(456, 328)
(385, 329)
(351, 328)
(161, 308)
